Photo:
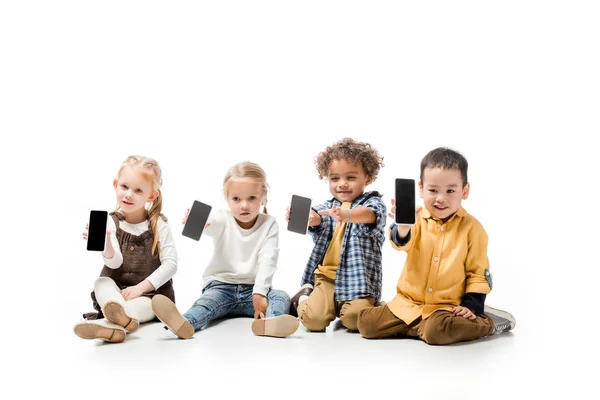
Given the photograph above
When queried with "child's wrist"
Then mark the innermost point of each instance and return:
(349, 215)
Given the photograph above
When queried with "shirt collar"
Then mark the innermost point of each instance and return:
(425, 214)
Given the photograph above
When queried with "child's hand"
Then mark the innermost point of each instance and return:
(402, 229)
(260, 305)
(463, 312)
(187, 214)
(340, 214)
(87, 229)
(392, 213)
(287, 214)
(132, 292)
(314, 219)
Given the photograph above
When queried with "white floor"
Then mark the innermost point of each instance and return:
(227, 361)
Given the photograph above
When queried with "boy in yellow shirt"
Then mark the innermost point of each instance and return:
(441, 291)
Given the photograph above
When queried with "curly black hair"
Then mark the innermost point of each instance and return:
(348, 149)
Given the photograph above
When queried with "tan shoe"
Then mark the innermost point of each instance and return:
(100, 330)
(167, 312)
(115, 313)
(280, 326)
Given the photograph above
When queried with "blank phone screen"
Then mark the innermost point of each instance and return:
(299, 213)
(97, 230)
(405, 201)
(197, 218)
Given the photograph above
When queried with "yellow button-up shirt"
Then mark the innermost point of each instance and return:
(444, 261)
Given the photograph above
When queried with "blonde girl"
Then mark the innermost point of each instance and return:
(237, 281)
(139, 257)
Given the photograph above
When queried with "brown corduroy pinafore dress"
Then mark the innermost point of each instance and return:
(138, 264)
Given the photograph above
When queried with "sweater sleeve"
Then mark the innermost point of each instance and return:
(217, 220)
(474, 302)
(117, 259)
(267, 261)
(168, 257)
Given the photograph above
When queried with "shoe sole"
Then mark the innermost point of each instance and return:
(166, 311)
(503, 314)
(94, 331)
(115, 313)
(280, 326)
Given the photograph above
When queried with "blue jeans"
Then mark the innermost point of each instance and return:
(221, 300)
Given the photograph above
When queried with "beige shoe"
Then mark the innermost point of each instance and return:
(280, 326)
(100, 330)
(115, 313)
(167, 312)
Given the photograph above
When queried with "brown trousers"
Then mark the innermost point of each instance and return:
(317, 312)
(441, 327)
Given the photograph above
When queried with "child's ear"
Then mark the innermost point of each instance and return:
(420, 189)
(153, 196)
(369, 181)
(115, 183)
(466, 191)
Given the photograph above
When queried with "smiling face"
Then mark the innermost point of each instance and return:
(347, 180)
(245, 197)
(442, 191)
(133, 191)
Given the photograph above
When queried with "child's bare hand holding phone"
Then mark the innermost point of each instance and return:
(402, 229)
(187, 214)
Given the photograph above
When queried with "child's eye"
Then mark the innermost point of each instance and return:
(252, 198)
(235, 198)
(450, 190)
(138, 190)
(351, 178)
(432, 190)
(123, 186)
(333, 179)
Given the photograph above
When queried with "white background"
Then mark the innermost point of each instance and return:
(200, 86)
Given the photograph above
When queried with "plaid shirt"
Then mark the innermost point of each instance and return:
(359, 270)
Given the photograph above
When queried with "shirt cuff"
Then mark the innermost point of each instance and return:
(395, 237)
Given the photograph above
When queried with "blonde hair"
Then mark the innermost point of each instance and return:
(248, 170)
(151, 172)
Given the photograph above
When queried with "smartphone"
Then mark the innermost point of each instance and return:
(97, 230)
(299, 213)
(196, 220)
(405, 201)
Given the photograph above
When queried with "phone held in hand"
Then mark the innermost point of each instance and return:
(97, 230)
(194, 226)
(299, 214)
(405, 202)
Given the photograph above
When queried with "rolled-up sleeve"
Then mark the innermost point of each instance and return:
(477, 262)
(376, 205)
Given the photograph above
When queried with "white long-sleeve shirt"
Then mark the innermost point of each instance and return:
(168, 254)
(243, 256)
